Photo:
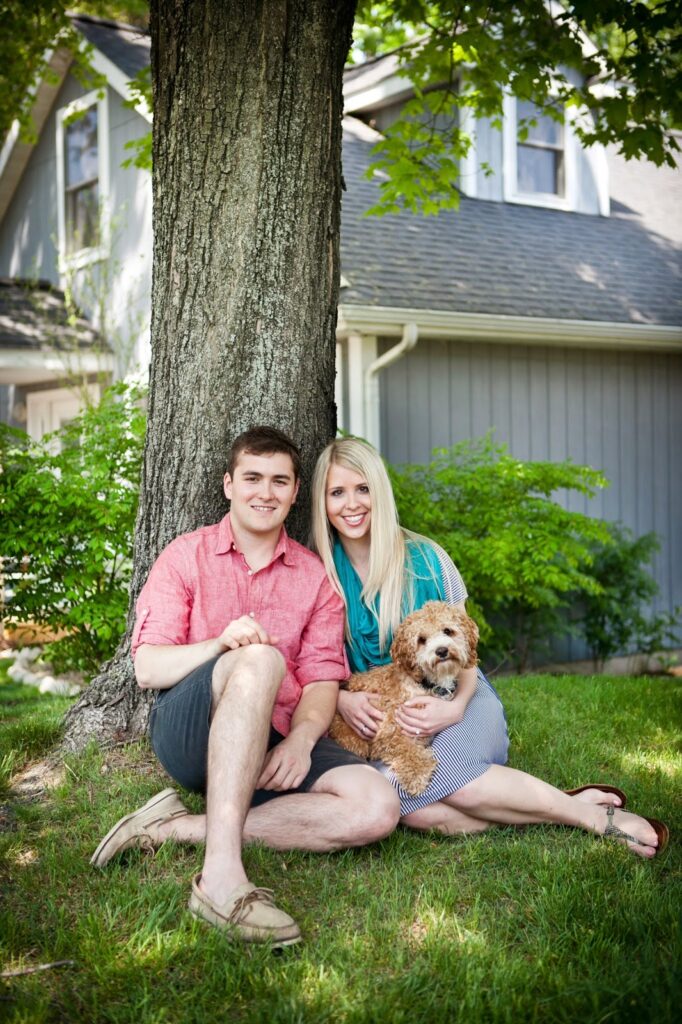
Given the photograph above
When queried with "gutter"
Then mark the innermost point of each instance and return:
(410, 337)
(390, 321)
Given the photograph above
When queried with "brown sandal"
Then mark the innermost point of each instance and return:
(604, 788)
(662, 831)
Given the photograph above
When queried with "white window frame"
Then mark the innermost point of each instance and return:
(512, 194)
(92, 254)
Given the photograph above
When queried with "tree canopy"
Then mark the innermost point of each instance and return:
(612, 66)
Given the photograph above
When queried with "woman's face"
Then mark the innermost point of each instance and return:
(349, 507)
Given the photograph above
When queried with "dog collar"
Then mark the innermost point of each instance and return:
(438, 691)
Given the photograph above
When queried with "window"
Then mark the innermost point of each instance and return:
(82, 175)
(81, 186)
(540, 156)
(540, 168)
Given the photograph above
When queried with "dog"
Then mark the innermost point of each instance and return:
(430, 648)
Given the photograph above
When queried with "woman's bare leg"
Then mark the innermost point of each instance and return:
(444, 818)
(511, 797)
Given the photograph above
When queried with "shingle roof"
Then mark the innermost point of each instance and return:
(33, 315)
(501, 258)
(125, 46)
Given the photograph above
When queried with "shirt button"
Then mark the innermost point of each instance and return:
(249, 572)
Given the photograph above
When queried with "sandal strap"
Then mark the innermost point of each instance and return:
(613, 830)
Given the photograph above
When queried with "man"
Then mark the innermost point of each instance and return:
(241, 633)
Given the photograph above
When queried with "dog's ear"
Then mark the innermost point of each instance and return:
(403, 650)
(470, 630)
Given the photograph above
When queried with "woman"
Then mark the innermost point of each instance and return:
(383, 572)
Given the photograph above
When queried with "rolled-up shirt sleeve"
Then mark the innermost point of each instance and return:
(164, 605)
(321, 655)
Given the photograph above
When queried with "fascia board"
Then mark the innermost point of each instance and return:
(22, 366)
(118, 81)
(388, 321)
(15, 154)
(378, 95)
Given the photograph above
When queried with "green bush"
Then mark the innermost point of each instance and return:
(522, 555)
(68, 505)
(612, 618)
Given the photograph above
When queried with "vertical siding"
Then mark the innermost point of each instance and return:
(620, 412)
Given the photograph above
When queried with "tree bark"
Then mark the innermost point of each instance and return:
(247, 187)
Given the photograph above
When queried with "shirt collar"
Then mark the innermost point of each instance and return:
(226, 542)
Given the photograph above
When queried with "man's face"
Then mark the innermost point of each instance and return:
(262, 489)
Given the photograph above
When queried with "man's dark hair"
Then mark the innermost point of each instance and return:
(263, 441)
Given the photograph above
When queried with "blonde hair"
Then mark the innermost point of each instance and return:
(387, 577)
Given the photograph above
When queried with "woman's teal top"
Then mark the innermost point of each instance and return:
(425, 572)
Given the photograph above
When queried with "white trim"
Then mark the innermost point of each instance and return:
(13, 134)
(468, 176)
(361, 350)
(94, 254)
(338, 386)
(377, 85)
(119, 82)
(567, 201)
(389, 321)
(33, 366)
(15, 153)
(10, 142)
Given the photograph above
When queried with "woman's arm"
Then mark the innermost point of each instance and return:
(426, 716)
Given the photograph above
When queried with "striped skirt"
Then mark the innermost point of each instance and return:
(464, 751)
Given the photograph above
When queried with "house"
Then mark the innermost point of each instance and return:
(548, 307)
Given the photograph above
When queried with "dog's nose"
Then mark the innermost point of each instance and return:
(442, 652)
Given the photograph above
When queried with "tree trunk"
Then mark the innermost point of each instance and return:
(247, 187)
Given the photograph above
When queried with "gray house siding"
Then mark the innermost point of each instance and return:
(613, 410)
(28, 232)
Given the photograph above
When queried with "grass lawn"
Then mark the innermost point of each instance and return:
(542, 924)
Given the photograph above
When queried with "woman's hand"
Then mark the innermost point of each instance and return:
(358, 711)
(427, 716)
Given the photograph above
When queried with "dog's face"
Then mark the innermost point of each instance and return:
(435, 643)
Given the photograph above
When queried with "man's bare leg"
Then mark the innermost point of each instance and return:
(348, 806)
(245, 684)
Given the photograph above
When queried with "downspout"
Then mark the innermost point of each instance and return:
(407, 342)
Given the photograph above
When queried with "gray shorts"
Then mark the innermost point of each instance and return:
(179, 725)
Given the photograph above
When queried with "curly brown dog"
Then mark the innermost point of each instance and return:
(429, 649)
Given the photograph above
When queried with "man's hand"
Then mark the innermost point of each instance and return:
(286, 765)
(244, 631)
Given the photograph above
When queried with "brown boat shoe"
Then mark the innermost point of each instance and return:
(248, 914)
(132, 831)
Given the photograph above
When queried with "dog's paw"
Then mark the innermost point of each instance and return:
(415, 776)
(417, 786)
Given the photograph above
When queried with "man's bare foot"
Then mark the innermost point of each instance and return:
(637, 834)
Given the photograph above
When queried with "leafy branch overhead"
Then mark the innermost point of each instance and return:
(612, 67)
